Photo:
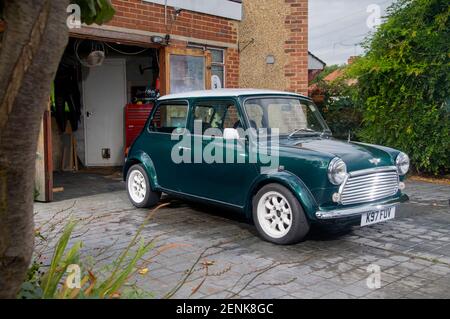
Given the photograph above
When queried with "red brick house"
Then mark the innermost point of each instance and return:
(159, 47)
(197, 24)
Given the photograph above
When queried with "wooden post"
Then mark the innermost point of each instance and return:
(48, 155)
(44, 161)
(163, 76)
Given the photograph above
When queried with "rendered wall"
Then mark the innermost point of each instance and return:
(277, 28)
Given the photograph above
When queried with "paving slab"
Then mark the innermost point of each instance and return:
(229, 260)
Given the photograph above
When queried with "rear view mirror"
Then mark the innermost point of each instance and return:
(230, 134)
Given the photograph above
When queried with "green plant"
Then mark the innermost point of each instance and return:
(404, 81)
(31, 288)
(95, 11)
(338, 106)
(111, 282)
(59, 263)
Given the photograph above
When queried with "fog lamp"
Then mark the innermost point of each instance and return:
(336, 197)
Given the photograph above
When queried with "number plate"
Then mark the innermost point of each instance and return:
(378, 216)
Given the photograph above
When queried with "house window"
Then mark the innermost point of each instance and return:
(217, 65)
(217, 68)
(187, 73)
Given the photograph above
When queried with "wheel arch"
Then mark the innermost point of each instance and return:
(293, 183)
(146, 161)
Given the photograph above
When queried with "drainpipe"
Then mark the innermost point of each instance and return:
(165, 12)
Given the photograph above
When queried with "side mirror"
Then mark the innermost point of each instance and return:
(230, 134)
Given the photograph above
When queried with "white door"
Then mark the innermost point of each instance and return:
(104, 95)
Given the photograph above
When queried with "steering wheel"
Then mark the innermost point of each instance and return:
(237, 125)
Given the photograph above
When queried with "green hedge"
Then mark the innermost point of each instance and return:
(403, 84)
(339, 109)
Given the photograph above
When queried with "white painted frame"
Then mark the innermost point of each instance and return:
(208, 47)
(221, 8)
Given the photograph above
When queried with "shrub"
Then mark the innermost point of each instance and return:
(110, 282)
(337, 105)
(50, 283)
(404, 82)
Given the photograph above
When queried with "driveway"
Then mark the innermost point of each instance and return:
(217, 254)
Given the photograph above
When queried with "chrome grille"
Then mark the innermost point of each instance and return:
(366, 186)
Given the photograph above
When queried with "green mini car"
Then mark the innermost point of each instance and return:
(268, 154)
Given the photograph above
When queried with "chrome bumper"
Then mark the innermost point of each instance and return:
(358, 210)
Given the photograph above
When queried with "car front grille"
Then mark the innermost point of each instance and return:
(369, 186)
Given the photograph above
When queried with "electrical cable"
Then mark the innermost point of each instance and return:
(125, 53)
(346, 16)
(100, 47)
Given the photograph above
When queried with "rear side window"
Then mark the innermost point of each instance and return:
(169, 117)
(217, 115)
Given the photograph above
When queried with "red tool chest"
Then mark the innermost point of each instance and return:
(135, 117)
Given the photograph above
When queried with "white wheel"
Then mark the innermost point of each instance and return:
(278, 215)
(274, 214)
(137, 187)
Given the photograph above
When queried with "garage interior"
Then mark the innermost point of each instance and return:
(103, 92)
(101, 97)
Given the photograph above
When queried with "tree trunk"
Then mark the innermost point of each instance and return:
(30, 50)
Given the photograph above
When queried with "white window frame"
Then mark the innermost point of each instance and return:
(223, 64)
(230, 9)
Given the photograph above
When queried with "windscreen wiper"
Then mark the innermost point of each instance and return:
(301, 130)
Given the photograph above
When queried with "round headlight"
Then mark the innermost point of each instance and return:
(337, 170)
(402, 163)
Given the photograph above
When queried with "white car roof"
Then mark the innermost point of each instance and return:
(223, 93)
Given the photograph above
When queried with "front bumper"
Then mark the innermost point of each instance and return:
(346, 212)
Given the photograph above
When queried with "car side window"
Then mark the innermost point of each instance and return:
(255, 115)
(208, 116)
(232, 118)
(216, 115)
(169, 117)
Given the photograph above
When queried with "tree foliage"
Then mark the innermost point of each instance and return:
(336, 101)
(404, 82)
(95, 11)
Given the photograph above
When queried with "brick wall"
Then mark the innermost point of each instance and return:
(136, 14)
(232, 68)
(140, 16)
(296, 46)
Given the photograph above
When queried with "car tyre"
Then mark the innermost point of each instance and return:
(139, 188)
(279, 216)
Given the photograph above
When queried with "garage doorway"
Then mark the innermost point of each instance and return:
(94, 107)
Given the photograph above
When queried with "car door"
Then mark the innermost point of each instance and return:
(224, 173)
(166, 127)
